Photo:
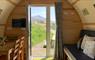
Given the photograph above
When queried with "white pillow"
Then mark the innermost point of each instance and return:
(79, 43)
(89, 49)
(86, 38)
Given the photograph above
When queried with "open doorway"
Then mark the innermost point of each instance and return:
(42, 31)
(38, 19)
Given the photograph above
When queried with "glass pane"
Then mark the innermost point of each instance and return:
(38, 18)
(52, 29)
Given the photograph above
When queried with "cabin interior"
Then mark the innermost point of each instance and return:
(75, 21)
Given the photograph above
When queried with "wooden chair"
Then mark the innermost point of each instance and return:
(13, 53)
(18, 53)
(21, 52)
(16, 50)
(15, 57)
(22, 38)
(10, 54)
(18, 41)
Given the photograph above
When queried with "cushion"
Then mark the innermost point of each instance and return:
(87, 32)
(89, 48)
(86, 38)
(79, 44)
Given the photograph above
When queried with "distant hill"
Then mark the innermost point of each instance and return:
(38, 19)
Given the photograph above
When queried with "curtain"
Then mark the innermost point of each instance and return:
(59, 49)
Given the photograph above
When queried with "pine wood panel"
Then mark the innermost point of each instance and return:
(67, 5)
(10, 1)
(42, 1)
(71, 24)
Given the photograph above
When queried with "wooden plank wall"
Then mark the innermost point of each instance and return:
(42, 1)
(71, 24)
(18, 12)
(88, 19)
(5, 9)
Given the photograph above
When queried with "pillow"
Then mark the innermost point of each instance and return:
(89, 49)
(79, 43)
(86, 38)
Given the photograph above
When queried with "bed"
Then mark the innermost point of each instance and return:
(77, 54)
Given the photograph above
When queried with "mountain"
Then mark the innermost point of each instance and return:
(38, 18)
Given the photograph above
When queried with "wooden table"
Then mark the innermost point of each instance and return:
(5, 48)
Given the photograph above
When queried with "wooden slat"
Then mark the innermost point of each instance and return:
(68, 8)
(2, 24)
(88, 23)
(75, 2)
(0, 11)
(11, 2)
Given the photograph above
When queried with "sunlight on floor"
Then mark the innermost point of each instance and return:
(42, 59)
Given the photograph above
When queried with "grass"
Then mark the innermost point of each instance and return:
(38, 33)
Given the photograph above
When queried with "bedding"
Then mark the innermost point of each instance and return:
(86, 38)
(89, 48)
(87, 35)
(90, 33)
(78, 54)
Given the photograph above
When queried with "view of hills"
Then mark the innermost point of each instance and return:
(39, 19)
(39, 29)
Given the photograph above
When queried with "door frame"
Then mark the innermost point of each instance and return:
(47, 27)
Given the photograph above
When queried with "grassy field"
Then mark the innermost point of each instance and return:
(38, 33)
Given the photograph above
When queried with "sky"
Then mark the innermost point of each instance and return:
(35, 11)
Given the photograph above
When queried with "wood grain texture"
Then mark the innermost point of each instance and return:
(71, 25)
(88, 23)
(10, 1)
(68, 8)
(42, 1)
(0, 11)
(2, 24)
(75, 2)
(67, 5)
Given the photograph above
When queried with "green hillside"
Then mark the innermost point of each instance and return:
(38, 33)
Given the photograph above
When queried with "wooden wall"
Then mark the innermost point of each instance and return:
(18, 12)
(42, 1)
(5, 8)
(88, 19)
(71, 24)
